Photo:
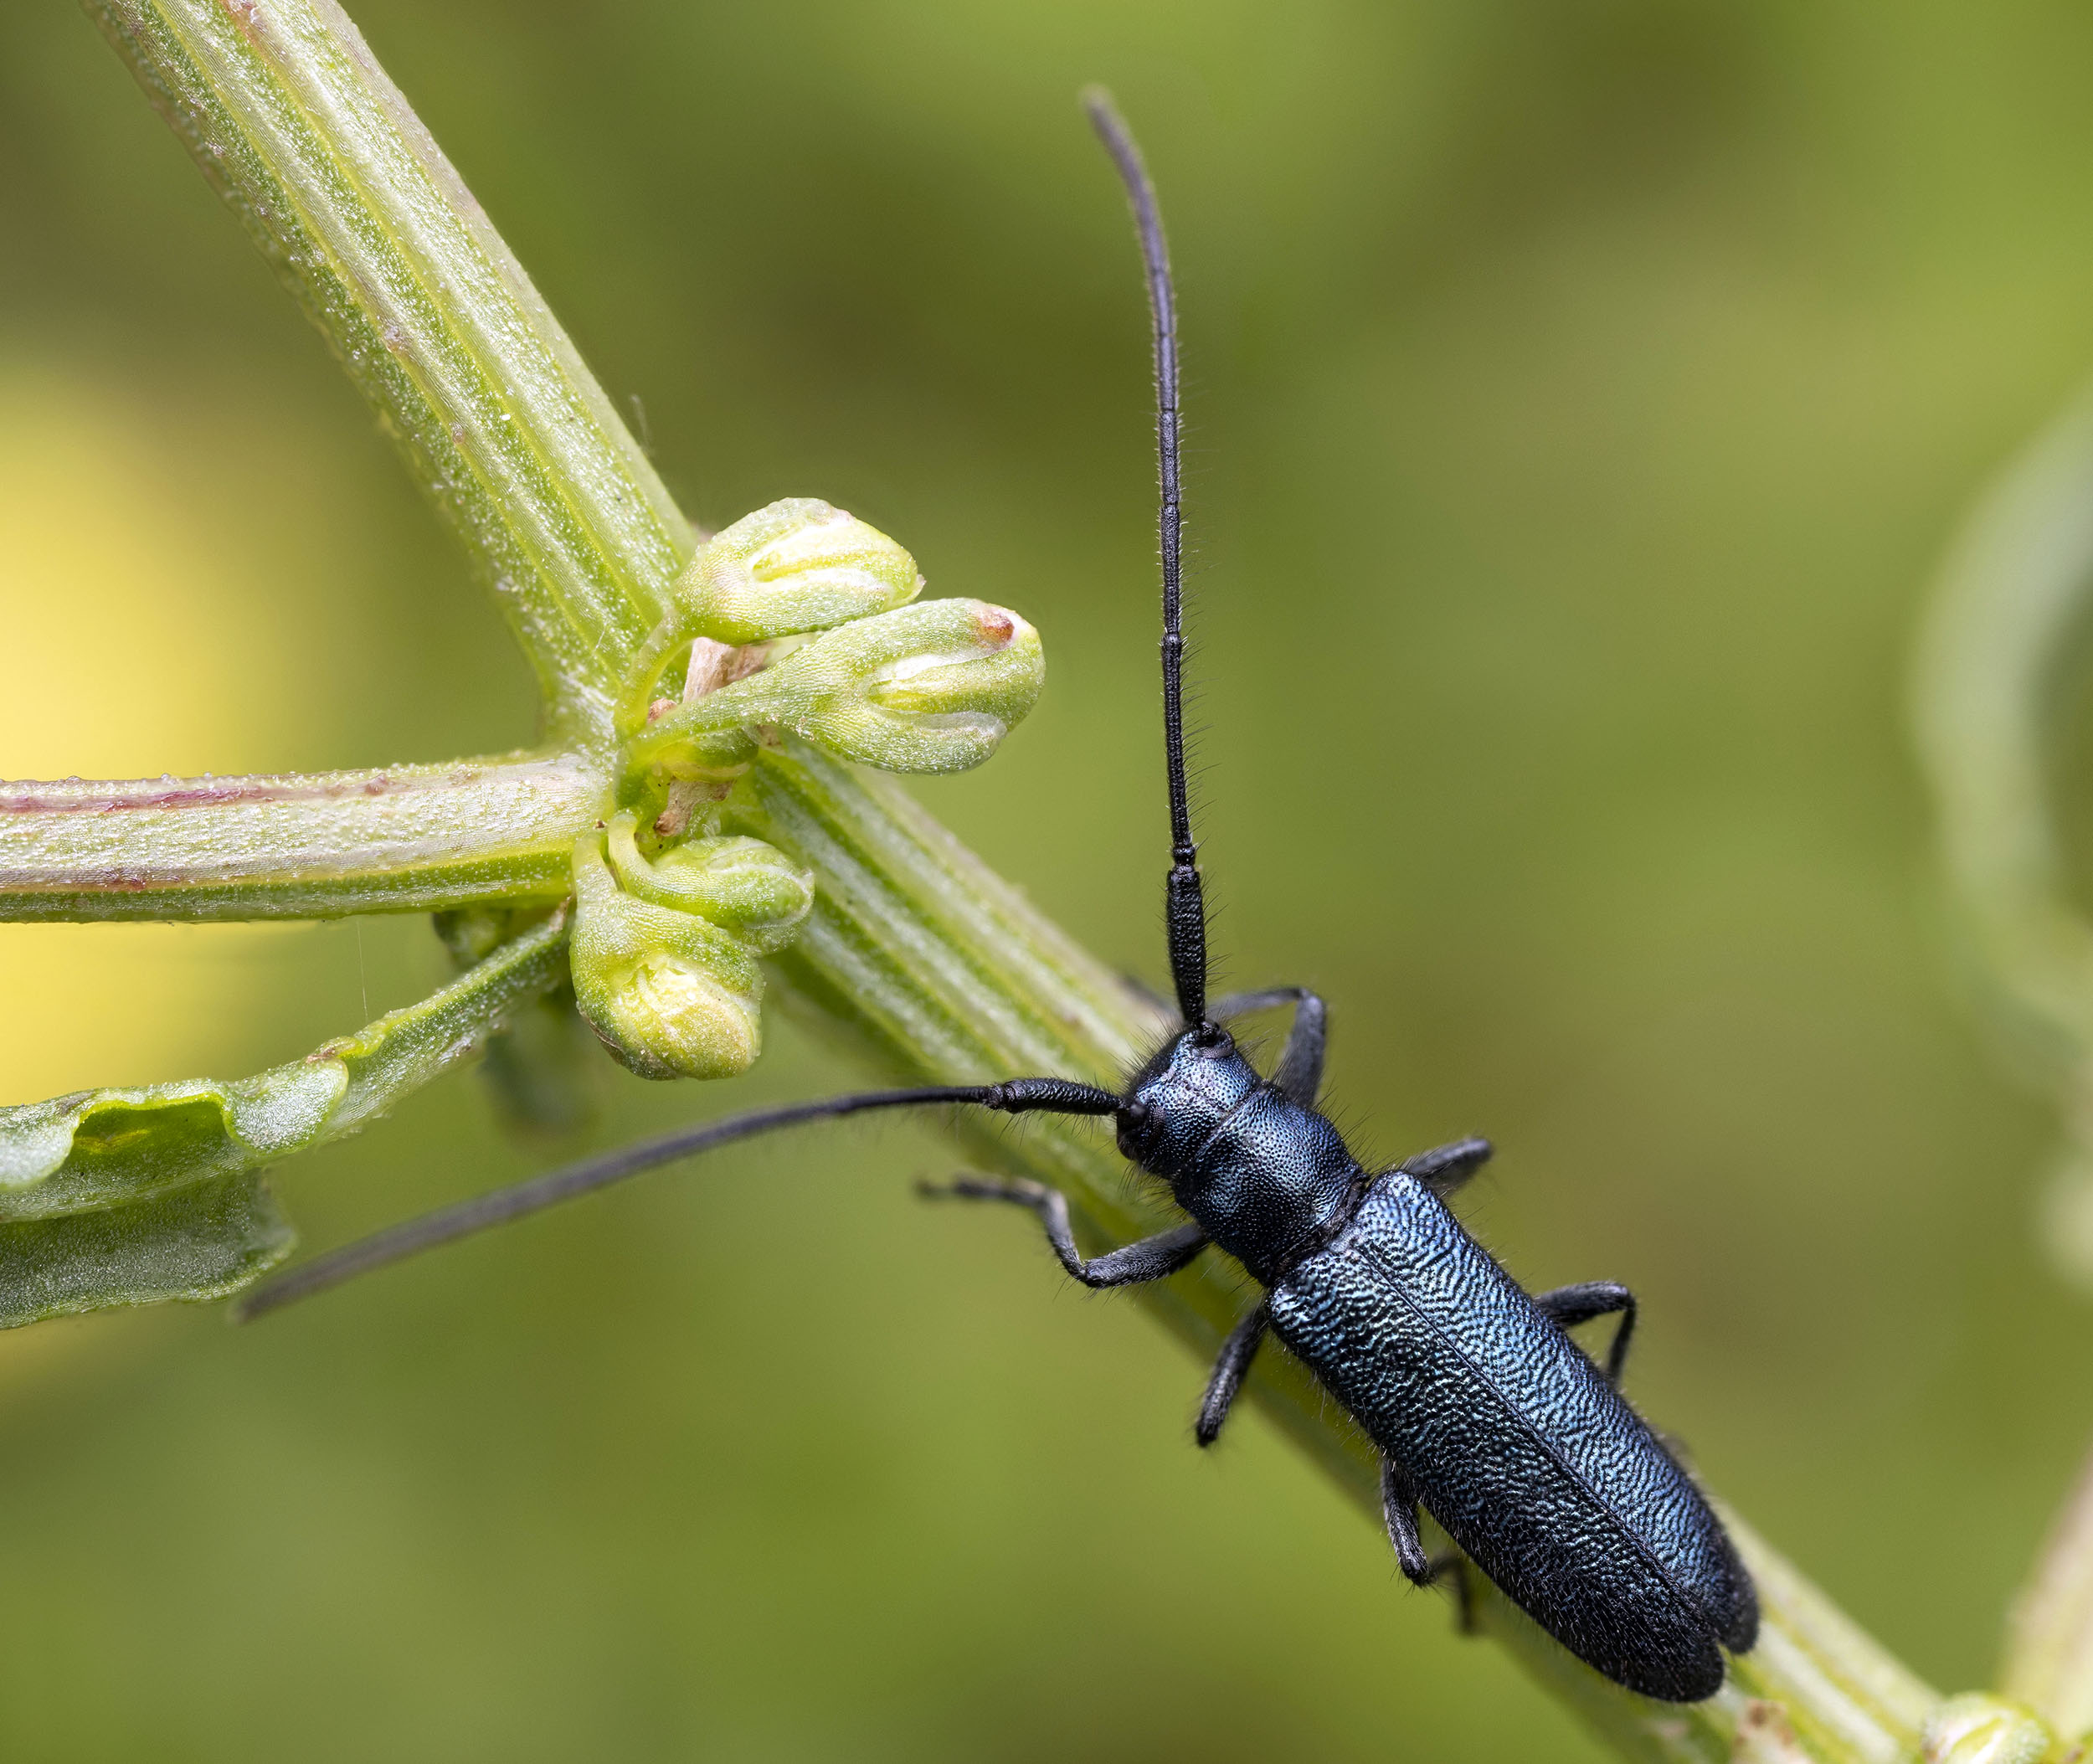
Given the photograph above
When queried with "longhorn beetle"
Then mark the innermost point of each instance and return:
(1481, 1406)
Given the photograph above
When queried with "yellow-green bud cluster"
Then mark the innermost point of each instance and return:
(812, 609)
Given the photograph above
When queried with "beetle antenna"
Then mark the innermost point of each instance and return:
(1184, 903)
(447, 1224)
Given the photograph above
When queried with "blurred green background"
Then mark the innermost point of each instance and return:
(1579, 397)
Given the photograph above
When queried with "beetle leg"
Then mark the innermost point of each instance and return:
(1445, 1168)
(1570, 1305)
(1451, 1564)
(1399, 1508)
(1299, 1073)
(1149, 1258)
(1236, 1353)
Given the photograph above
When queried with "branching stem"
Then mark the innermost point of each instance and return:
(404, 839)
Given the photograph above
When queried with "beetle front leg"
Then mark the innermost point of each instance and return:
(1299, 1072)
(1132, 1264)
(1570, 1305)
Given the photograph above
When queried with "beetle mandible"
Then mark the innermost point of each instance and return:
(1483, 1409)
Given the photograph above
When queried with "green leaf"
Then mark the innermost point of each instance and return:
(133, 1196)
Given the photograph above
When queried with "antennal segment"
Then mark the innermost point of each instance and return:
(1184, 906)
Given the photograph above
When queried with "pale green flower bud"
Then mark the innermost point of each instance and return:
(1978, 1728)
(742, 885)
(670, 994)
(942, 685)
(932, 687)
(798, 565)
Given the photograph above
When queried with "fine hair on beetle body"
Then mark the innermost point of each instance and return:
(1484, 1412)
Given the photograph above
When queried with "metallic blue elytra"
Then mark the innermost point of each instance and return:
(1485, 1410)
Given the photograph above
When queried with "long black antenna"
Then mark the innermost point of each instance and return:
(1184, 903)
(447, 1224)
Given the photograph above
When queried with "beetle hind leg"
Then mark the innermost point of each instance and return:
(1450, 1565)
(1399, 1512)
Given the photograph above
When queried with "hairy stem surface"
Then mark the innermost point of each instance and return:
(401, 840)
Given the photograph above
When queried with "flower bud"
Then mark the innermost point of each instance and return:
(798, 565)
(1978, 1728)
(742, 885)
(670, 994)
(932, 687)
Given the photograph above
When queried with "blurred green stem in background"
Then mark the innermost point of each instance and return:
(1998, 668)
(932, 967)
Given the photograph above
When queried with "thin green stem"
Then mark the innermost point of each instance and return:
(405, 839)
(336, 180)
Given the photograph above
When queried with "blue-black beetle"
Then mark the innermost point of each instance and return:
(1482, 1407)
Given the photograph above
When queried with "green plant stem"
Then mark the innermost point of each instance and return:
(928, 963)
(2048, 1656)
(335, 178)
(398, 840)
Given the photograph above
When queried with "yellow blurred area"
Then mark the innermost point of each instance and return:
(133, 647)
(138, 641)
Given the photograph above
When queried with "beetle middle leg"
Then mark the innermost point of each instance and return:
(1236, 1353)
(1445, 1168)
(1570, 1305)
(1132, 1264)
